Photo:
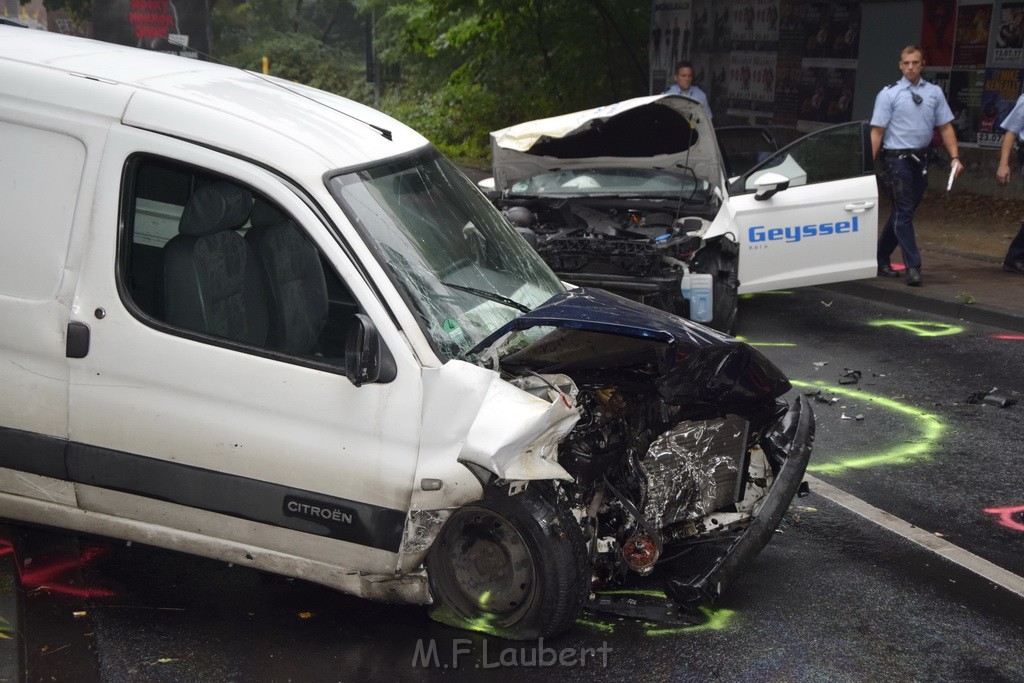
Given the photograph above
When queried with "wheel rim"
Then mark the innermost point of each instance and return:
(488, 563)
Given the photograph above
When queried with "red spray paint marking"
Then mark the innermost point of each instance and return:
(47, 575)
(1006, 516)
(1011, 337)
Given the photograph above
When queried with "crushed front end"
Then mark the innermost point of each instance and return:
(685, 456)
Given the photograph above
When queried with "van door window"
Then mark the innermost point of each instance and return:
(211, 256)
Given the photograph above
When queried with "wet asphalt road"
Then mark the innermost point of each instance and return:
(833, 597)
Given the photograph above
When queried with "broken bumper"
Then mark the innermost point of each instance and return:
(790, 442)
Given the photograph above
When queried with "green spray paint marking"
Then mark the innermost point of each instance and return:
(744, 339)
(776, 292)
(607, 628)
(921, 329)
(717, 620)
(930, 426)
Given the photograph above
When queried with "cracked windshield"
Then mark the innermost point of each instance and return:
(462, 265)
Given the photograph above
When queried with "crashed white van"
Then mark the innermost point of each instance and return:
(253, 321)
(633, 197)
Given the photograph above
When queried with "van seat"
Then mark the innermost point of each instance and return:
(212, 282)
(293, 278)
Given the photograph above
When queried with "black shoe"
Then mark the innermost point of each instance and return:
(914, 277)
(1014, 267)
(887, 271)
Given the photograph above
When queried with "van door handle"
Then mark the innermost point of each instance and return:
(77, 342)
(859, 207)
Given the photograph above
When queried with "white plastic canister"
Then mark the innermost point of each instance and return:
(696, 288)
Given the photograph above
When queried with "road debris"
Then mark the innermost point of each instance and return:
(992, 398)
(850, 376)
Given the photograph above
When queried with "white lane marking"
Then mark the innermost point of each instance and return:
(969, 561)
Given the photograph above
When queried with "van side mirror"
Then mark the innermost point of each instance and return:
(366, 358)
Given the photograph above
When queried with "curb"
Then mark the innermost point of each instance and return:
(984, 315)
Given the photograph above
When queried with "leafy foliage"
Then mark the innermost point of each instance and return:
(467, 66)
(472, 66)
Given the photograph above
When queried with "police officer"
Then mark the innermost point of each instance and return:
(683, 85)
(1013, 124)
(902, 126)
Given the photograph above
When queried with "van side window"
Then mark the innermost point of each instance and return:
(211, 256)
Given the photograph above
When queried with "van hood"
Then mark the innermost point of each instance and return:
(601, 338)
(658, 131)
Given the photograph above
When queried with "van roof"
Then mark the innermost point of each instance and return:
(298, 129)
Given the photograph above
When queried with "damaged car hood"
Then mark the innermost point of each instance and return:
(655, 132)
(599, 337)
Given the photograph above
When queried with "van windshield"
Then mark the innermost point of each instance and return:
(464, 268)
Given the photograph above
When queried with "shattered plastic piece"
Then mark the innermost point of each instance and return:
(79, 614)
(858, 418)
(305, 615)
(850, 376)
(845, 417)
(812, 392)
(991, 398)
(822, 399)
(826, 304)
(820, 363)
(939, 534)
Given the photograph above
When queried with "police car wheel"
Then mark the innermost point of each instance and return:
(513, 566)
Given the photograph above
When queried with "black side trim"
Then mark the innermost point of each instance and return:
(226, 494)
(32, 453)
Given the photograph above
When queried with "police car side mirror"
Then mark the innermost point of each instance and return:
(768, 184)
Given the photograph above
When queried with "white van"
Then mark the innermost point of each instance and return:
(253, 321)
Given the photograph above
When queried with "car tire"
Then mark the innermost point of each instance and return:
(512, 566)
(722, 262)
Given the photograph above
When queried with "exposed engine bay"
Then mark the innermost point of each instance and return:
(675, 453)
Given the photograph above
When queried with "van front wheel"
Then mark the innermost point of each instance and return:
(512, 566)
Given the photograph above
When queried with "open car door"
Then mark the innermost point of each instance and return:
(808, 214)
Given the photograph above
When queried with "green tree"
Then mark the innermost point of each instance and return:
(471, 66)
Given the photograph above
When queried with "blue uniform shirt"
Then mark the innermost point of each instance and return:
(1014, 121)
(909, 125)
(694, 92)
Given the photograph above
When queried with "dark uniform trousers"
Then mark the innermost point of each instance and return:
(906, 185)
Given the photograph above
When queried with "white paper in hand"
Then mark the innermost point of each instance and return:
(952, 175)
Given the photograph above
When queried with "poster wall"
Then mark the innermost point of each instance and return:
(794, 62)
(671, 40)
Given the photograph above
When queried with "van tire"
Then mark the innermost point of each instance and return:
(524, 554)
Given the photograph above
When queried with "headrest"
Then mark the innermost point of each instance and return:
(215, 207)
(264, 213)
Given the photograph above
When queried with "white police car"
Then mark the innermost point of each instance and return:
(633, 197)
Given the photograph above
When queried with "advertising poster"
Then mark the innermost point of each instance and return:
(671, 36)
(1007, 39)
(832, 31)
(703, 25)
(937, 32)
(1002, 86)
(751, 83)
(721, 29)
(826, 94)
(972, 29)
(755, 20)
(180, 27)
(964, 97)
